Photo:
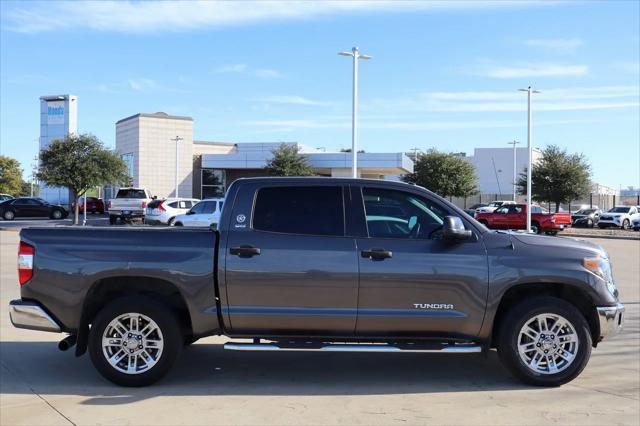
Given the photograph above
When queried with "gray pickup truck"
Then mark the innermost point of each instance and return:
(320, 264)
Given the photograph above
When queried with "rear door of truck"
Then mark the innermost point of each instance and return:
(290, 269)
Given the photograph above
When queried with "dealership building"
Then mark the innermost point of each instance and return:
(159, 150)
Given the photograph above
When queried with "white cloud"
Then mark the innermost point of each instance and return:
(267, 73)
(163, 16)
(233, 68)
(142, 84)
(558, 44)
(563, 99)
(291, 100)
(533, 70)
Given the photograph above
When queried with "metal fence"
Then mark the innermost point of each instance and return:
(604, 202)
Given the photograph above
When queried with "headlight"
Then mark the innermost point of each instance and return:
(601, 267)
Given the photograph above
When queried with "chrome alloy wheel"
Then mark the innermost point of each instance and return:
(132, 343)
(548, 343)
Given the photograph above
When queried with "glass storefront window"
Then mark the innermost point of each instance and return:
(213, 183)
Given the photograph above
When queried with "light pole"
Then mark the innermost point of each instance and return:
(515, 169)
(177, 139)
(529, 91)
(354, 114)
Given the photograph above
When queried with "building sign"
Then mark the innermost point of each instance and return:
(55, 112)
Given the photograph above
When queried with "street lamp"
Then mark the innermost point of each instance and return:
(177, 139)
(529, 91)
(354, 114)
(515, 170)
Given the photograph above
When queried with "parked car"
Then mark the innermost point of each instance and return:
(31, 207)
(164, 212)
(618, 217)
(94, 205)
(295, 262)
(128, 204)
(514, 216)
(492, 206)
(205, 213)
(5, 197)
(471, 211)
(588, 217)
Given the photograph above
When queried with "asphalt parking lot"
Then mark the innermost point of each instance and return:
(41, 385)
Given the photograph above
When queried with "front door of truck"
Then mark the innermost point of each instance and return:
(412, 282)
(289, 267)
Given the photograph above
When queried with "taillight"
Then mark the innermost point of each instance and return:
(160, 207)
(25, 262)
(144, 204)
(109, 204)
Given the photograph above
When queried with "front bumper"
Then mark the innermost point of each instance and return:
(30, 315)
(611, 319)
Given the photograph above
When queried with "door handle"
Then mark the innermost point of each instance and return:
(377, 254)
(244, 251)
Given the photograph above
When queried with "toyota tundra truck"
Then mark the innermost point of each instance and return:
(320, 264)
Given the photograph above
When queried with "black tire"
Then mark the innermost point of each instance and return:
(56, 214)
(168, 324)
(178, 224)
(535, 227)
(589, 223)
(8, 215)
(625, 224)
(522, 313)
(170, 221)
(113, 220)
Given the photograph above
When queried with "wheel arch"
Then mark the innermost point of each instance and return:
(108, 289)
(570, 293)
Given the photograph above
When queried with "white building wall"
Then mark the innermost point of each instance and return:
(151, 138)
(490, 162)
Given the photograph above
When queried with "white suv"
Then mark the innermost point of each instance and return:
(492, 206)
(164, 212)
(619, 217)
(205, 213)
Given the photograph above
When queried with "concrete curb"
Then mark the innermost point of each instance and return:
(605, 237)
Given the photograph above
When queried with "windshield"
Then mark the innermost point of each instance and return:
(620, 210)
(586, 211)
(131, 193)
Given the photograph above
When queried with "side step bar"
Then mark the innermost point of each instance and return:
(341, 347)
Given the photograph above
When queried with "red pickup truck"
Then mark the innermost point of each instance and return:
(514, 216)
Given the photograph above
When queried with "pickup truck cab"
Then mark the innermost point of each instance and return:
(514, 216)
(128, 204)
(320, 264)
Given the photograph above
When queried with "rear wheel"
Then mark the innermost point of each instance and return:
(56, 214)
(170, 221)
(535, 228)
(9, 215)
(625, 224)
(544, 341)
(134, 341)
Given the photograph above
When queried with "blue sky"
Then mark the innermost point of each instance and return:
(444, 74)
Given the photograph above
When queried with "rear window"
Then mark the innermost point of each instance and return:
(154, 204)
(307, 210)
(131, 193)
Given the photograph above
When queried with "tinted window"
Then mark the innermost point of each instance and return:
(310, 210)
(398, 214)
(197, 208)
(27, 202)
(154, 204)
(620, 210)
(131, 193)
(209, 206)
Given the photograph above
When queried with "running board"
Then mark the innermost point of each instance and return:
(340, 347)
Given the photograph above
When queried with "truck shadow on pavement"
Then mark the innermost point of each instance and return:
(207, 369)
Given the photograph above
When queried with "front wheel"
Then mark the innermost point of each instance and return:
(134, 341)
(56, 214)
(544, 341)
(625, 224)
(9, 215)
(535, 228)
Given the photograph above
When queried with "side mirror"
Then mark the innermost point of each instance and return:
(453, 229)
(190, 212)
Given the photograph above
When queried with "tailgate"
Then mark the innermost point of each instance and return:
(563, 218)
(126, 203)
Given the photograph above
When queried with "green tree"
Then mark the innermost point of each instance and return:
(80, 162)
(287, 161)
(10, 176)
(25, 190)
(558, 177)
(447, 175)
